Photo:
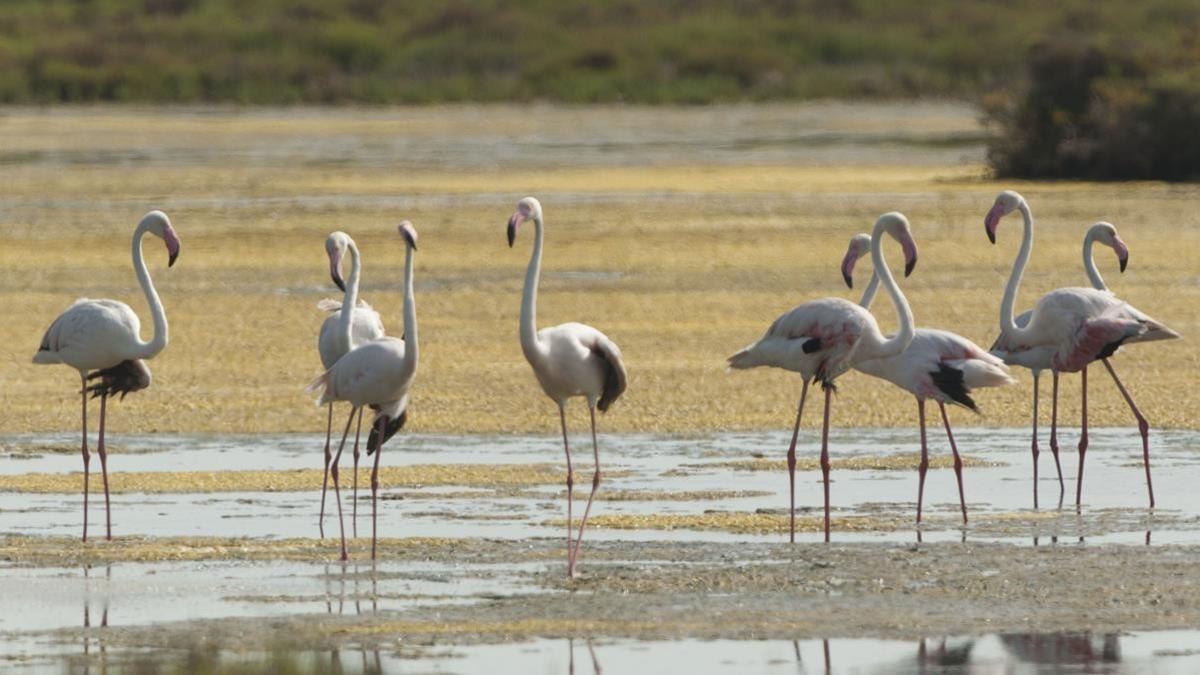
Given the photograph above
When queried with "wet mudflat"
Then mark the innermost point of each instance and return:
(687, 564)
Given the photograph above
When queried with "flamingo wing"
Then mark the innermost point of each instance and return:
(614, 369)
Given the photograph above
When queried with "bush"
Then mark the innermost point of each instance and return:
(1099, 112)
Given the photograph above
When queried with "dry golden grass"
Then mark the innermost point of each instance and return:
(681, 264)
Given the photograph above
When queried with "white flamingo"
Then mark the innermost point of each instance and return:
(378, 374)
(568, 360)
(340, 332)
(1067, 329)
(104, 336)
(824, 338)
(938, 364)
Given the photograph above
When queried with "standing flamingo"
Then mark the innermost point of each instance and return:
(937, 364)
(824, 338)
(104, 336)
(569, 360)
(1068, 328)
(341, 332)
(378, 374)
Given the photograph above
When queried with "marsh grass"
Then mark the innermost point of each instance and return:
(681, 263)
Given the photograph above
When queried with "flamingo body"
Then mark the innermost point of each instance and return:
(92, 335)
(942, 366)
(817, 339)
(575, 359)
(365, 325)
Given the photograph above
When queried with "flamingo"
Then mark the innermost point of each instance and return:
(937, 364)
(824, 338)
(568, 360)
(361, 325)
(377, 374)
(1067, 329)
(103, 336)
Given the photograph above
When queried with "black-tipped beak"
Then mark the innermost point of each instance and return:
(171, 259)
(990, 233)
(1124, 261)
(512, 233)
(337, 281)
(848, 279)
(910, 265)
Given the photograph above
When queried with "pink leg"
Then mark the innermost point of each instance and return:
(562, 417)
(375, 486)
(354, 503)
(325, 479)
(595, 486)
(1037, 375)
(87, 457)
(1054, 437)
(337, 491)
(791, 464)
(924, 465)
(962, 499)
(825, 458)
(1143, 428)
(102, 451)
(1083, 438)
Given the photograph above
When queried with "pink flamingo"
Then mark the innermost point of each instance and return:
(361, 325)
(568, 360)
(1067, 329)
(378, 374)
(824, 338)
(104, 336)
(937, 364)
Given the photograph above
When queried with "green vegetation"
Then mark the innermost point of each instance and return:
(421, 51)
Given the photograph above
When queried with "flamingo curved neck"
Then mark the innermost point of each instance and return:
(529, 339)
(877, 346)
(1007, 324)
(410, 317)
(870, 291)
(147, 350)
(346, 318)
(1089, 263)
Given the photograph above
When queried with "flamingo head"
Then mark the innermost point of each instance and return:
(528, 208)
(896, 225)
(860, 245)
(157, 223)
(1106, 233)
(1006, 202)
(335, 247)
(409, 233)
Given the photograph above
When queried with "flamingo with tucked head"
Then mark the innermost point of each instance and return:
(1068, 329)
(340, 332)
(824, 338)
(568, 360)
(937, 364)
(102, 337)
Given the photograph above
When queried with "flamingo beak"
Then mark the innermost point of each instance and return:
(172, 241)
(513, 224)
(1122, 252)
(848, 267)
(335, 270)
(992, 220)
(910, 255)
(409, 233)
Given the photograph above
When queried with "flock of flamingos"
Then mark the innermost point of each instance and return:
(1067, 330)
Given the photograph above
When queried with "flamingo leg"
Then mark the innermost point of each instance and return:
(923, 467)
(1054, 435)
(1037, 375)
(325, 479)
(562, 417)
(354, 502)
(962, 499)
(791, 463)
(337, 492)
(375, 485)
(103, 452)
(87, 458)
(595, 486)
(825, 458)
(1143, 426)
(1083, 438)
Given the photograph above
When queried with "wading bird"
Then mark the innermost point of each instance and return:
(824, 338)
(361, 325)
(101, 339)
(937, 365)
(378, 374)
(568, 360)
(1067, 329)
